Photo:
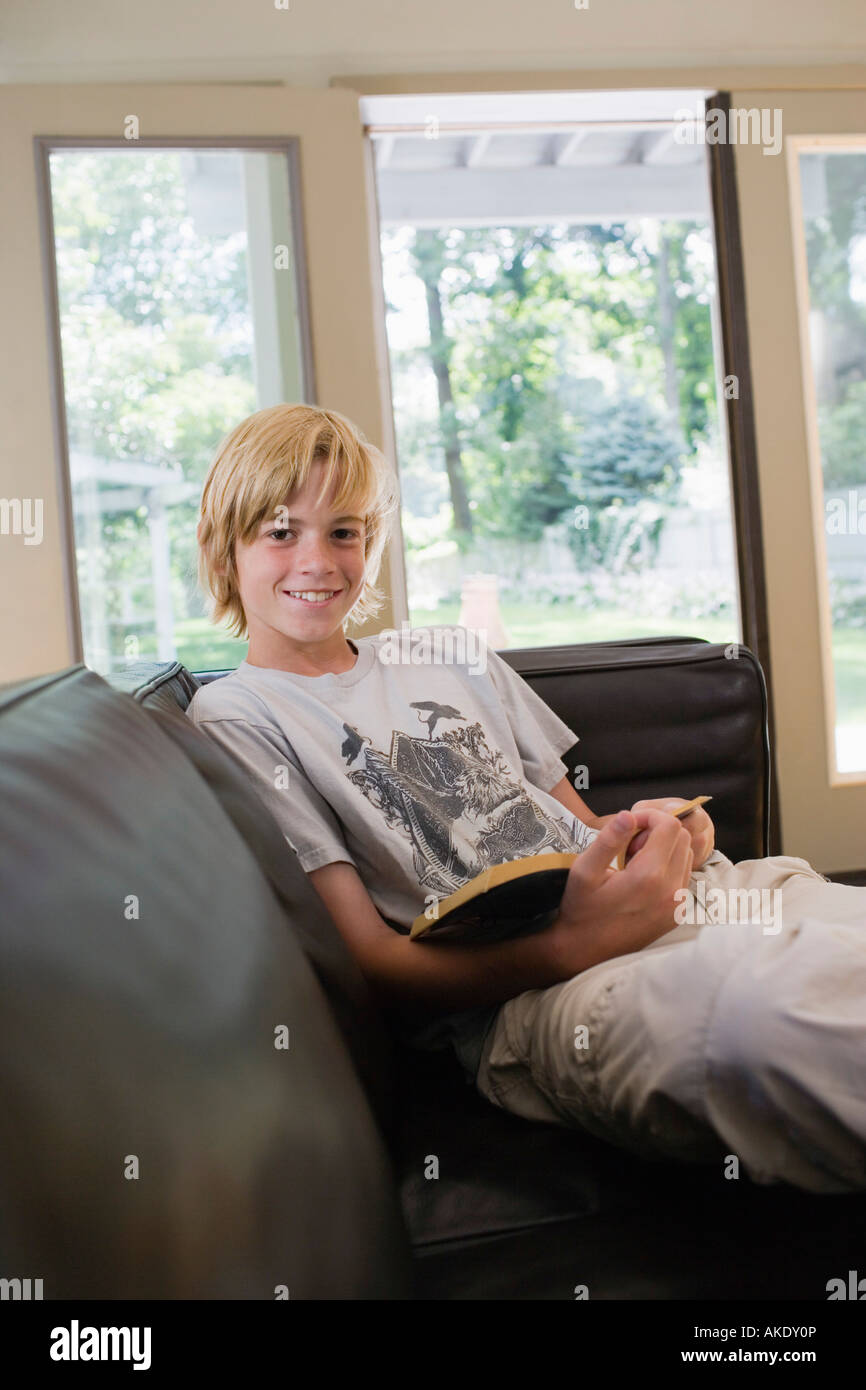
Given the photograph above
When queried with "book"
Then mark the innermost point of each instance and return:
(516, 897)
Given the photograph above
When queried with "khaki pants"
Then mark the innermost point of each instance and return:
(742, 1038)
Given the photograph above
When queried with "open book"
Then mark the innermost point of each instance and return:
(516, 897)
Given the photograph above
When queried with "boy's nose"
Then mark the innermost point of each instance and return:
(313, 556)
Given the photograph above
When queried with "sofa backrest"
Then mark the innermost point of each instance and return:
(654, 717)
(182, 1117)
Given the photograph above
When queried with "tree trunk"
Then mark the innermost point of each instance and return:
(667, 328)
(428, 258)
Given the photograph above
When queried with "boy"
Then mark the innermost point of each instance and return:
(396, 782)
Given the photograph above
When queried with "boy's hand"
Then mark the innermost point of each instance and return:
(605, 912)
(697, 823)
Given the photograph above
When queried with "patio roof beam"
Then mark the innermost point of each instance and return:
(547, 193)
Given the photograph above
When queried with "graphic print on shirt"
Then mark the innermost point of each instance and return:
(456, 800)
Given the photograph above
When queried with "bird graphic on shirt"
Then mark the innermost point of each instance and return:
(437, 712)
(353, 743)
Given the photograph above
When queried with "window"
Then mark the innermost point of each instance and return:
(181, 310)
(549, 278)
(832, 198)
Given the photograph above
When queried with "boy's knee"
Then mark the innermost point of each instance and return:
(750, 1028)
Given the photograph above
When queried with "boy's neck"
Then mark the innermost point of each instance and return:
(332, 658)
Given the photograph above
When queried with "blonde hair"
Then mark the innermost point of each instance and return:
(264, 459)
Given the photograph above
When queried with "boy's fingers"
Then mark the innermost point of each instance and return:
(592, 865)
(683, 861)
(637, 843)
(659, 824)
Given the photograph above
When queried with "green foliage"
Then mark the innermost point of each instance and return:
(848, 602)
(842, 430)
(127, 239)
(546, 337)
(832, 236)
(689, 255)
(626, 465)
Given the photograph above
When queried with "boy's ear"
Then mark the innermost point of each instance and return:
(218, 569)
(222, 570)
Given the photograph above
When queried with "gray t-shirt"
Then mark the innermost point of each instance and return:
(420, 773)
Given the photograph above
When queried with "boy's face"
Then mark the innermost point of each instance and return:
(306, 550)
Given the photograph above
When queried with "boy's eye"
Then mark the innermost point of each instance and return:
(280, 532)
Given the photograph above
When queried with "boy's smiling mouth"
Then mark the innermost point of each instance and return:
(313, 598)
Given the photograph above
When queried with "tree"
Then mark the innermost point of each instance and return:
(429, 257)
(520, 316)
(626, 468)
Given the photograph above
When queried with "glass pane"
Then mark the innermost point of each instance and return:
(557, 399)
(834, 215)
(178, 317)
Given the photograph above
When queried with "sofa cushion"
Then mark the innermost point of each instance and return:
(159, 1144)
(157, 684)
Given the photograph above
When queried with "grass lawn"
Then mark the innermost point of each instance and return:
(552, 625)
(202, 647)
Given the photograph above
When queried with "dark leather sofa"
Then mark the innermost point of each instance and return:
(159, 940)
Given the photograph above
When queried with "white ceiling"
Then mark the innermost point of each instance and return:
(313, 40)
